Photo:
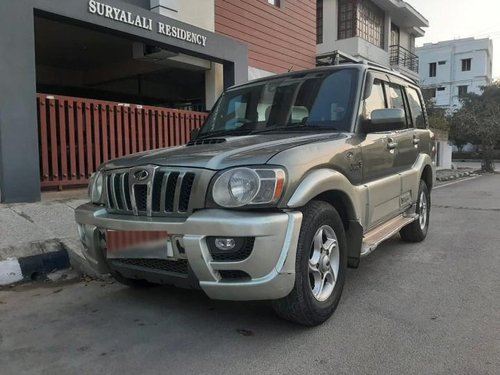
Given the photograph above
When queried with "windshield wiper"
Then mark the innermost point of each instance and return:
(222, 133)
(295, 127)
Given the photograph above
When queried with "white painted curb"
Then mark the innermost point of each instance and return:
(10, 271)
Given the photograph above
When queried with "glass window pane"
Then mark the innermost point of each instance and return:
(416, 108)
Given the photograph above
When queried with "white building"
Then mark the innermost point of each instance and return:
(383, 31)
(450, 69)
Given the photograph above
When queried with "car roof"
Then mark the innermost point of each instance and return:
(357, 66)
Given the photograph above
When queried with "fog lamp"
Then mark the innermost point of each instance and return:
(225, 244)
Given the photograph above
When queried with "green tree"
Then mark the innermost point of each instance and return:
(478, 121)
(437, 116)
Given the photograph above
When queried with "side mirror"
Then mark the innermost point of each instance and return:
(194, 133)
(386, 120)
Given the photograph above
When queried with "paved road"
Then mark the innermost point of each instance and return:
(431, 308)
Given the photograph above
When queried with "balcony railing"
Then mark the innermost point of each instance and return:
(402, 57)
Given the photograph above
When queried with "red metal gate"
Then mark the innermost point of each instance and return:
(76, 135)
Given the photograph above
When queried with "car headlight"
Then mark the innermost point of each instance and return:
(96, 187)
(240, 187)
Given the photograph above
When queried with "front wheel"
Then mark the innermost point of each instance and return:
(320, 267)
(417, 231)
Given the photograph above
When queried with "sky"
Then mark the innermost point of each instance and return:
(454, 19)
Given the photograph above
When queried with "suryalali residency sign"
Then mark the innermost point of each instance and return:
(146, 23)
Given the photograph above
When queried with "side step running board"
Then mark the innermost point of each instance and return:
(376, 236)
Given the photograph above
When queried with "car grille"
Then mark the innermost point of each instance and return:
(162, 192)
(174, 266)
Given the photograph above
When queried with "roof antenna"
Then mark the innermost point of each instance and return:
(291, 68)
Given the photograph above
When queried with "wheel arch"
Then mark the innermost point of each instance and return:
(427, 177)
(334, 188)
(353, 229)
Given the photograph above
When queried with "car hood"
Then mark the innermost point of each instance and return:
(228, 152)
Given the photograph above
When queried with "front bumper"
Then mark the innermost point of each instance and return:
(271, 265)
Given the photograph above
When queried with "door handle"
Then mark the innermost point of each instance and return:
(391, 145)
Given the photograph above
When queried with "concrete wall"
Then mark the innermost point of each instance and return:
(200, 13)
(445, 155)
(358, 47)
(330, 27)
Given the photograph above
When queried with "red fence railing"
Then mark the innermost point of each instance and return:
(76, 135)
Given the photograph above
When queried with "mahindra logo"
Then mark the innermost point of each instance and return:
(141, 175)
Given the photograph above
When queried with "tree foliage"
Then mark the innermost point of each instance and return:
(437, 116)
(478, 122)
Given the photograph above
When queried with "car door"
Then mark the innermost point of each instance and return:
(405, 138)
(379, 150)
(422, 142)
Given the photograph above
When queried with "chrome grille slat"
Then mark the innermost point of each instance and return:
(123, 181)
(166, 176)
(109, 193)
(165, 191)
(113, 191)
(178, 187)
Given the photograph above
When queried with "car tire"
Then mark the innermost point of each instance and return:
(417, 230)
(308, 304)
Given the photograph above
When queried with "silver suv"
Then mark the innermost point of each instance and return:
(291, 180)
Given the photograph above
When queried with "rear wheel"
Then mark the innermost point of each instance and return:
(417, 231)
(320, 267)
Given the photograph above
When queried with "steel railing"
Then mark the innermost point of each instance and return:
(400, 56)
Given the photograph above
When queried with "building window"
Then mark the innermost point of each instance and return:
(276, 3)
(429, 93)
(363, 19)
(395, 35)
(442, 63)
(466, 65)
(432, 69)
(462, 91)
(319, 21)
(412, 43)
(441, 88)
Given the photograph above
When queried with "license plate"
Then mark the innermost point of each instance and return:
(138, 244)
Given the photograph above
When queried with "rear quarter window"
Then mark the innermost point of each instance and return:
(416, 108)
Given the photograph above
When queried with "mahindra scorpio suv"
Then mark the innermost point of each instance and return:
(292, 179)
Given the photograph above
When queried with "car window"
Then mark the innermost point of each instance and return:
(395, 98)
(376, 100)
(417, 111)
(317, 99)
(237, 107)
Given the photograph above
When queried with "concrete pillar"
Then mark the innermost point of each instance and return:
(387, 31)
(169, 8)
(214, 84)
(19, 155)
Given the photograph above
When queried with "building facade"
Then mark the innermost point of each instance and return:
(453, 68)
(85, 80)
(281, 35)
(382, 31)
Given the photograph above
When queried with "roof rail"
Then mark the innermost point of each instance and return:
(338, 57)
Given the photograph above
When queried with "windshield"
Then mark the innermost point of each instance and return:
(310, 101)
